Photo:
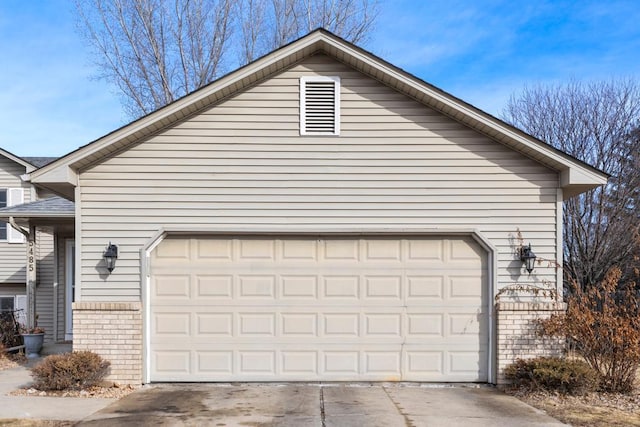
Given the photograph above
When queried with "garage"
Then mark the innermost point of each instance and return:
(318, 308)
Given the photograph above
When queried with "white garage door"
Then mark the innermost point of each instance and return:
(316, 308)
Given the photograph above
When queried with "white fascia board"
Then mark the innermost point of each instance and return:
(28, 166)
(60, 174)
(574, 181)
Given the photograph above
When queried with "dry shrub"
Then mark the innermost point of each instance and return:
(9, 330)
(603, 323)
(552, 374)
(70, 371)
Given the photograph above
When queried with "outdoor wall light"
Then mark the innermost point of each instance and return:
(528, 257)
(110, 255)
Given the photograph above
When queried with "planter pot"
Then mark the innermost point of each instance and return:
(33, 344)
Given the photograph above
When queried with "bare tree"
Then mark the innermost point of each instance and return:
(156, 51)
(596, 123)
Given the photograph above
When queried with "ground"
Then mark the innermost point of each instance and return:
(108, 390)
(35, 423)
(592, 410)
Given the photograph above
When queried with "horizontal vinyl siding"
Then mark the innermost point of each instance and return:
(61, 287)
(13, 255)
(9, 290)
(396, 163)
(45, 273)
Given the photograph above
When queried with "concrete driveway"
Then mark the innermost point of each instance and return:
(318, 405)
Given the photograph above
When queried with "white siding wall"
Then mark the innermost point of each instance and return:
(44, 290)
(396, 163)
(13, 255)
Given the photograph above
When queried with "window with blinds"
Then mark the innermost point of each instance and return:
(319, 105)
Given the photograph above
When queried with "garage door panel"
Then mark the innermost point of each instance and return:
(371, 309)
(294, 287)
(172, 287)
(333, 363)
(213, 250)
(214, 286)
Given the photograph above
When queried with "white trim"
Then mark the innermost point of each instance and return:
(56, 286)
(559, 242)
(162, 233)
(15, 196)
(303, 104)
(28, 166)
(69, 279)
(78, 239)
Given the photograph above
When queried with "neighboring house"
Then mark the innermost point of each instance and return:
(318, 214)
(13, 250)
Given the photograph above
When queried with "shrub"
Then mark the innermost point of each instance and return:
(603, 323)
(9, 330)
(552, 374)
(71, 371)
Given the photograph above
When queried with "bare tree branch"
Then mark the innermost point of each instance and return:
(156, 51)
(598, 123)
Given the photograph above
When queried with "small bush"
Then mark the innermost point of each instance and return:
(603, 324)
(9, 330)
(71, 371)
(552, 374)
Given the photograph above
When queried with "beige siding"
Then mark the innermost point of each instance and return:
(13, 255)
(9, 290)
(61, 287)
(45, 288)
(396, 163)
(62, 283)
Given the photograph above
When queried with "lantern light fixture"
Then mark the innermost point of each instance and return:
(110, 255)
(528, 257)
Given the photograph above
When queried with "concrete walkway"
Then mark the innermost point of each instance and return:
(43, 408)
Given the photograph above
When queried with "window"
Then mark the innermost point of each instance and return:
(7, 304)
(320, 106)
(10, 197)
(3, 204)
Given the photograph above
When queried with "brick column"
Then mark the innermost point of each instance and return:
(516, 332)
(114, 331)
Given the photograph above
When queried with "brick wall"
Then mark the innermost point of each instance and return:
(114, 331)
(516, 332)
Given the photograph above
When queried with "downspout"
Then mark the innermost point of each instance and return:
(21, 230)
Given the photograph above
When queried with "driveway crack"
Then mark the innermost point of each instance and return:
(322, 418)
(407, 421)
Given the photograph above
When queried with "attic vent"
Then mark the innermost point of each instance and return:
(320, 105)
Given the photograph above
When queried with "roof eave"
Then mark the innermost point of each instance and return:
(28, 166)
(62, 174)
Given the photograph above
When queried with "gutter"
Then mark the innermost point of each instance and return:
(13, 223)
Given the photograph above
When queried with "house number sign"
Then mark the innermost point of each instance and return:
(31, 263)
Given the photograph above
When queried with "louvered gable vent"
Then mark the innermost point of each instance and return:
(320, 105)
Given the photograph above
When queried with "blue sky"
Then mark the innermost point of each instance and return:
(479, 50)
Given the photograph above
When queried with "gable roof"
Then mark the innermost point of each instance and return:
(40, 161)
(60, 176)
(20, 160)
